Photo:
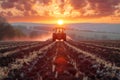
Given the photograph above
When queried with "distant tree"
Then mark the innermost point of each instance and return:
(8, 31)
(19, 33)
(33, 34)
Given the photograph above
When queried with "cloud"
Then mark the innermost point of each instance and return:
(61, 6)
(6, 5)
(99, 8)
(9, 13)
(78, 4)
(2, 13)
(73, 8)
(104, 7)
(45, 2)
(21, 5)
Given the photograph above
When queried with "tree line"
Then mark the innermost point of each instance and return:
(7, 31)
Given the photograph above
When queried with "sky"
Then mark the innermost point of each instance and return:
(71, 11)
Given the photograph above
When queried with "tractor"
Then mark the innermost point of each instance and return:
(59, 34)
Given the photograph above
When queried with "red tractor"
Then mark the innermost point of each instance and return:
(59, 34)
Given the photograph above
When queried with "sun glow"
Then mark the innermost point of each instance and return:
(60, 22)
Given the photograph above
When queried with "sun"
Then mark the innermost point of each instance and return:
(60, 22)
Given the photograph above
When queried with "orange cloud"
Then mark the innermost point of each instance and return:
(54, 9)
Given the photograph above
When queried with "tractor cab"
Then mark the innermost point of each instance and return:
(59, 34)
